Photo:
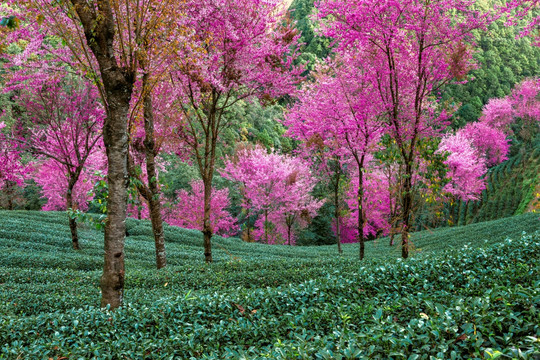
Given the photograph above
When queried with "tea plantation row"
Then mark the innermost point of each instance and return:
(465, 294)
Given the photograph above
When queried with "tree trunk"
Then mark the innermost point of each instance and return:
(153, 201)
(207, 228)
(361, 213)
(289, 235)
(407, 208)
(248, 227)
(336, 215)
(392, 237)
(9, 191)
(116, 143)
(100, 33)
(266, 226)
(72, 221)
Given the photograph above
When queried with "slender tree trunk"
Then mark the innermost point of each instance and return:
(361, 219)
(153, 201)
(393, 222)
(9, 191)
(248, 227)
(266, 226)
(289, 234)
(407, 208)
(207, 228)
(72, 221)
(336, 215)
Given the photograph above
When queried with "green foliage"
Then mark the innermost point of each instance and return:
(503, 60)
(11, 22)
(319, 231)
(27, 198)
(258, 125)
(467, 298)
(314, 47)
(511, 188)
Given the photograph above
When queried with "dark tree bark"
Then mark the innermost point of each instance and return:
(72, 221)
(360, 194)
(153, 198)
(289, 235)
(247, 225)
(289, 222)
(393, 219)
(407, 209)
(115, 139)
(360, 202)
(10, 185)
(207, 228)
(336, 214)
(266, 226)
(73, 178)
(100, 32)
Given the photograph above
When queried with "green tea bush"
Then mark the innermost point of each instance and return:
(460, 304)
(510, 188)
(467, 293)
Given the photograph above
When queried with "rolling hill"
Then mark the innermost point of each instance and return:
(468, 292)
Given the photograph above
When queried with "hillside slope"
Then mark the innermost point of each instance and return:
(258, 301)
(512, 189)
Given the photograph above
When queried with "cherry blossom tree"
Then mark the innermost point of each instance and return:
(340, 109)
(466, 167)
(490, 143)
(262, 178)
(277, 187)
(525, 99)
(55, 181)
(66, 117)
(498, 114)
(104, 41)
(518, 114)
(246, 55)
(299, 206)
(414, 48)
(515, 116)
(13, 172)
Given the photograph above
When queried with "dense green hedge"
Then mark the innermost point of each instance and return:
(510, 190)
(460, 304)
(466, 293)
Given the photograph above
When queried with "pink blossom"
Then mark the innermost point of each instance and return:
(188, 211)
(466, 167)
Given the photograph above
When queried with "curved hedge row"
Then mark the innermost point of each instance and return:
(511, 188)
(460, 304)
(467, 297)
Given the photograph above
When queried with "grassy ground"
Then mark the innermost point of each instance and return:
(43, 282)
